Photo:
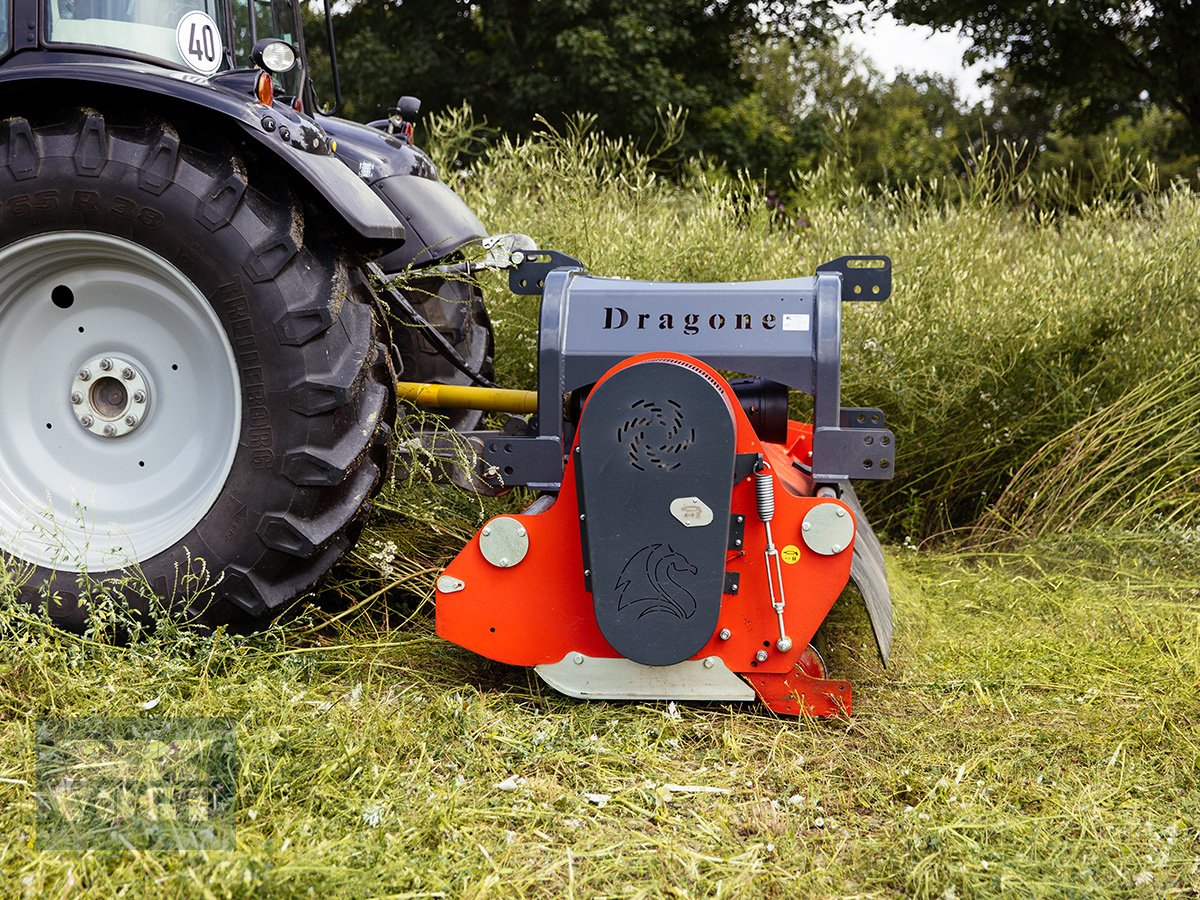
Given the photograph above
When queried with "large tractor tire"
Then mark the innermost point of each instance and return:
(456, 310)
(194, 385)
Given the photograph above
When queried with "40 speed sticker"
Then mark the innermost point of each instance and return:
(199, 42)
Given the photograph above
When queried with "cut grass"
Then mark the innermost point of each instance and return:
(1038, 732)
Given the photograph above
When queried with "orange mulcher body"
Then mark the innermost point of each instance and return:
(539, 612)
(689, 539)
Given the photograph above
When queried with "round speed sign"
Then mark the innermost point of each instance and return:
(199, 42)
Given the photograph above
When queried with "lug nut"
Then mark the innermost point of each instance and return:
(131, 421)
(106, 364)
(761, 655)
(85, 374)
(725, 634)
(139, 396)
(127, 373)
(76, 398)
(110, 430)
(87, 421)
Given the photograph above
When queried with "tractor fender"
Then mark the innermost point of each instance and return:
(438, 222)
(293, 138)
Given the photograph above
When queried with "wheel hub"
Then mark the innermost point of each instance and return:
(121, 403)
(110, 396)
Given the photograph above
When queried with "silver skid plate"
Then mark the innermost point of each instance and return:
(594, 678)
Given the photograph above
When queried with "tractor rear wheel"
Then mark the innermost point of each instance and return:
(196, 403)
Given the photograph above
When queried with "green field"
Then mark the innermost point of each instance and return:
(1038, 730)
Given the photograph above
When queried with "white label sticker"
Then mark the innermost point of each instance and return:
(795, 321)
(199, 42)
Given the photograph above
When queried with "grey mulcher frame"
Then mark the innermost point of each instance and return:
(788, 330)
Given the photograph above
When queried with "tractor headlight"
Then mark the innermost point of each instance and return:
(274, 55)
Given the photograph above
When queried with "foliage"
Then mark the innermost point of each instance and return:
(817, 103)
(1036, 731)
(515, 60)
(1090, 60)
(1010, 323)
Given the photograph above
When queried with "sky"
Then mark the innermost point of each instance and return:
(894, 47)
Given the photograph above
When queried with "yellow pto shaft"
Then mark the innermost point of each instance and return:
(451, 396)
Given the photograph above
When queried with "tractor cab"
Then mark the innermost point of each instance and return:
(205, 37)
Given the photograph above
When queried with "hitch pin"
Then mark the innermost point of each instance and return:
(764, 490)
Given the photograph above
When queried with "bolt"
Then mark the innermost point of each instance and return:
(784, 644)
(582, 517)
(708, 662)
(725, 634)
(504, 562)
(577, 658)
(110, 430)
(87, 421)
(127, 373)
(76, 397)
(106, 364)
(85, 374)
(761, 655)
(520, 532)
(139, 396)
(131, 420)
(841, 513)
(486, 531)
(836, 548)
(587, 573)
(738, 542)
(807, 526)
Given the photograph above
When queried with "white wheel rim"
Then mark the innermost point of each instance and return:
(71, 497)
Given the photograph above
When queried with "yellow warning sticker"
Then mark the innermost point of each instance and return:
(790, 554)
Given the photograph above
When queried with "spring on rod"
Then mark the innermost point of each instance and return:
(764, 493)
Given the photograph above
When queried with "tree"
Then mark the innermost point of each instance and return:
(832, 104)
(513, 60)
(1088, 61)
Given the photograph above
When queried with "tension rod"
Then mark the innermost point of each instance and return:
(764, 489)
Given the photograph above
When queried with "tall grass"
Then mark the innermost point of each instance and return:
(1010, 322)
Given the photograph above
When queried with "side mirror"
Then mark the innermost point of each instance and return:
(409, 108)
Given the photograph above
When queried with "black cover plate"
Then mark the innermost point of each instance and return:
(652, 433)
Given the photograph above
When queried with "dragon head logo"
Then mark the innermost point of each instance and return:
(647, 583)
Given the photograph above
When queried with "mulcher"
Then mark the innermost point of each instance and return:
(211, 288)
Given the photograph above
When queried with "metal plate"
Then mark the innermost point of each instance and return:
(827, 529)
(692, 512)
(591, 678)
(503, 542)
(651, 433)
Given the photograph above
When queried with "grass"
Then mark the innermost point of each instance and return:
(1038, 732)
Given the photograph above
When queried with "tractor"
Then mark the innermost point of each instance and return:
(202, 359)
(214, 291)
